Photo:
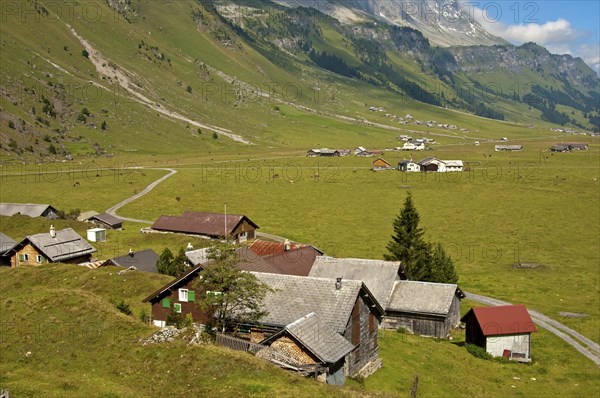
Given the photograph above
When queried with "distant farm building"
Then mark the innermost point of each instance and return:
(560, 148)
(408, 166)
(434, 165)
(577, 146)
(102, 220)
(424, 308)
(63, 246)
(323, 152)
(381, 164)
(28, 209)
(144, 260)
(209, 225)
(413, 146)
(501, 331)
(509, 148)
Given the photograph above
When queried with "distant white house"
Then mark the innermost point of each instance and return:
(413, 146)
(408, 166)
(435, 165)
(510, 148)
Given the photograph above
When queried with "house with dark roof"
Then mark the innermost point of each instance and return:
(6, 243)
(323, 152)
(345, 306)
(105, 220)
(247, 260)
(143, 260)
(501, 331)
(28, 209)
(560, 148)
(577, 146)
(209, 225)
(424, 308)
(62, 246)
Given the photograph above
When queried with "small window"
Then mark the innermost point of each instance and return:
(177, 308)
(183, 295)
(39, 259)
(23, 257)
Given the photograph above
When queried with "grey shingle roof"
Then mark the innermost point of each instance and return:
(144, 260)
(320, 339)
(295, 296)
(6, 243)
(422, 297)
(66, 245)
(26, 209)
(378, 275)
(86, 215)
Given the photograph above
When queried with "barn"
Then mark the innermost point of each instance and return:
(502, 331)
(424, 308)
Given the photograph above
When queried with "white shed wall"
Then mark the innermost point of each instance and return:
(495, 345)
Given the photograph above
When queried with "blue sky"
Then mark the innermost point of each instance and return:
(564, 27)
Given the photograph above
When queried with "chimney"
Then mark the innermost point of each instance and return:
(130, 253)
(189, 247)
(338, 283)
(287, 245)
(52, 231)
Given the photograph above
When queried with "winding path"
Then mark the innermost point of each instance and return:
(581, 343)
(113, 210)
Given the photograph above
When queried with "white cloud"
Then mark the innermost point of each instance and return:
(559, 36)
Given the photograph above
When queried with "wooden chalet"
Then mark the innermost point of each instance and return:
(501, 331)
(424, 308)
(381, 164)
(209, 225)
(63, 246)
(105, 220)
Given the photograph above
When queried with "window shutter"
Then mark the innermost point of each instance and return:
(21, 257)
(166, 303)
(191, 296)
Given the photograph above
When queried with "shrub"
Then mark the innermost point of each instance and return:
(478, 352)
(189, 89)
(175, 319)
(124, 307)
(215, 136)
(52, 149)
(104, 125)
(85, 53)
(12, 144)
(11, 124)
(144, 316)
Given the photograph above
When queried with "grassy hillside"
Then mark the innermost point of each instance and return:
(185, 72)
(81, 345)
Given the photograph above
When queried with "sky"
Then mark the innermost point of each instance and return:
(562, 26)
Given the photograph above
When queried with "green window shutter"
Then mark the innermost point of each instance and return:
(21, 257)
(191, 296)
(166, 303)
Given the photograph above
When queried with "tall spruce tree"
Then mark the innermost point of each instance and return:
(422, 261)
(164, 262)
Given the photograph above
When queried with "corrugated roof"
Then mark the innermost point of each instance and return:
(422, 297)
(198, 256)
(26, 209)
(144, 260)
(294, 262)
(453, 163)
(6, 243)
(65, 245)
(320, 339)
(378, 275)
(266, 248)
(501, 320)
(295, 296)
(107, 219)
(212, 224)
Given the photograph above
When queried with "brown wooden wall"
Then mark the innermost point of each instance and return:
(160, 314)
(244, 226)
(367, 348)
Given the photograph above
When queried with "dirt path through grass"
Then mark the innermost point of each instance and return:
(581, 343)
